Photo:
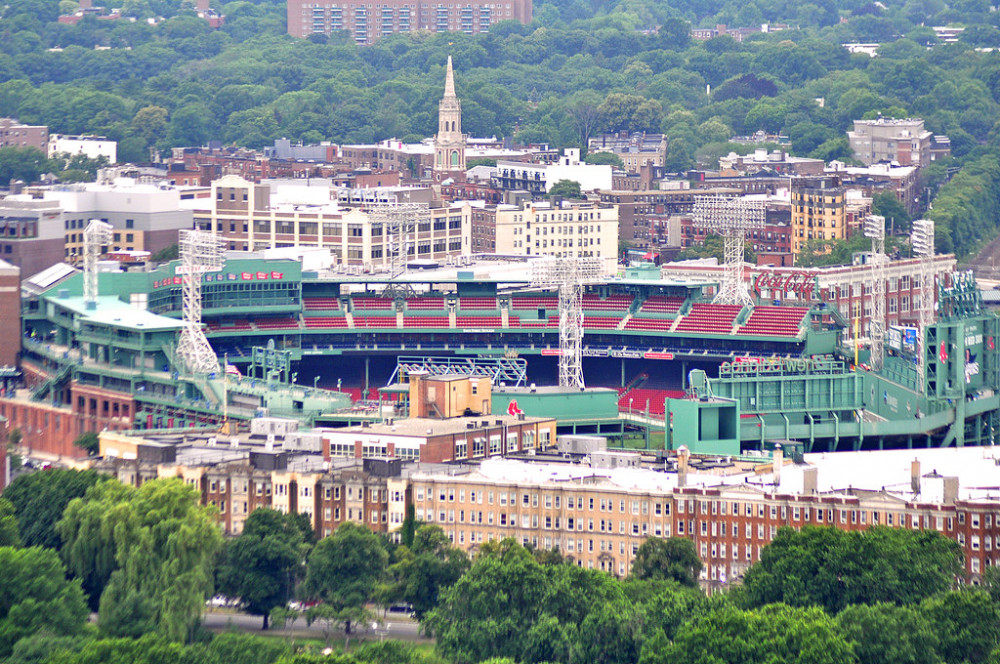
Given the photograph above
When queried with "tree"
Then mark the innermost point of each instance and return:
(833, 568)
(427, 568)
(24, 164)
(566, 189)
(150, 122)
(88, 441)
(889, 634)
(672, 558)
(604, 158)
(345, 568)
(147, 552)
(9, 533)
(261, 565)
(887, 205)
(170, 253)
(36, 596)
(967, 623)
(40, 498)
(776, 633)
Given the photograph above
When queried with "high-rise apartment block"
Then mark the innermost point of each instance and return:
(818, 211)
(368, 23)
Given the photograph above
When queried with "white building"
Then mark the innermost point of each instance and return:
(540, 178)
(571, 229)
(89, 146)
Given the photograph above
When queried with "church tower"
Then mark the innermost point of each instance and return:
(449, 143)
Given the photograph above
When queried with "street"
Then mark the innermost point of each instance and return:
(394, 626)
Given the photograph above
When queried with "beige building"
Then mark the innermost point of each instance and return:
(569, 229)
(905, 142)
(251, 217)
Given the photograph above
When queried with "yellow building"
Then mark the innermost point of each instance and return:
(818, 211)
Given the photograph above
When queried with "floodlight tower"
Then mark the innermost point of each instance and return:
(731, 218)
(922, 242)
(400, 221)
(95, 236)
(874, 228)
(200, 252)
(570, 275)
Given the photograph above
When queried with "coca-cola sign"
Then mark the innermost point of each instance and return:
(802, 284)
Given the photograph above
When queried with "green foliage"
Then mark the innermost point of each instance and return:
(566, 189)
(425, 569)
(479, 161)
(24, 164)
(887, 205)
(148, 553)
(40, 498)
(509, 605)
(833, 568)
(968, 625)
(88, 441)
(889, 634)
(170, 253)
(604, 158)
(35, 596)
(344, 569)
(262, 564)
(714, 246)
(674, 558)
(772, 633)
(9, 532)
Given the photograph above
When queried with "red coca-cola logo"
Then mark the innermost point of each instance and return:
(801, 283)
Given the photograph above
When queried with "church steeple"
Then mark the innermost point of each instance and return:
(449, 143)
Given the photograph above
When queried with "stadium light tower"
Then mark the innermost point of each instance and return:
(200, 252)
(570, 275)
(874, 228)
(731, 218)
(922, 241)
(400, 221)
(96, 236)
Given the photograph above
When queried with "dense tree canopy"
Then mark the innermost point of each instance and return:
(40, 498)
(425, 569)
(674, 558)
(833, 568)
(149, 553)
(35, 596)
(262, 565)
(578, 68)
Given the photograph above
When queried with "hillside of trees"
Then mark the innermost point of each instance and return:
(578, 68)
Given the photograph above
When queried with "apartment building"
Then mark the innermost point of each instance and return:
(818, 210)
(570, 229)
(14, 134)
(252, 217)
(367, 23)
(598, 518)
(636, 150)
(903, 141)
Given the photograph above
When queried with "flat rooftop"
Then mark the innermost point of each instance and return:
(422, 427)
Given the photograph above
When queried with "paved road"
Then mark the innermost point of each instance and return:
(394, 626)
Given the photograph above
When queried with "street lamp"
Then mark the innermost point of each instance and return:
(630, 400)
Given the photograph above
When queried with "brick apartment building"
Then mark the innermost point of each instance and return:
(367, 24)
(13, 134)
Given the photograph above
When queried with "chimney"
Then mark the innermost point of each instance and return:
(809, 480)
(777, 461)
(682, 466)
(915, 475)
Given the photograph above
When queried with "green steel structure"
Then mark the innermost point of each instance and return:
(949, 399)
(748, 385)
